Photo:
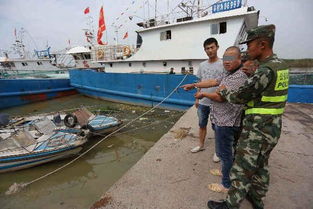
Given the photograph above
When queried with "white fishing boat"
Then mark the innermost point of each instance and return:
(168, 47)
(20, 62)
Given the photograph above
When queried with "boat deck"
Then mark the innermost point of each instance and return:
(168, 176)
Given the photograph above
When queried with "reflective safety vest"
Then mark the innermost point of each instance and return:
(273, 99)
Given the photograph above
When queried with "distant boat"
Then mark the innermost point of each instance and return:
(25, 79)
(20, 62)
(29, 143)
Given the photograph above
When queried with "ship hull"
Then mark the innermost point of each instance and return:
(135, 88)
(150, 89)
(15, 92)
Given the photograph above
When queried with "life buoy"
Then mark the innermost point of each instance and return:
(100, 54)
(70, 120)
(126, 51)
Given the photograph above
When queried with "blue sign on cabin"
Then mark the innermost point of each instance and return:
(226, 6)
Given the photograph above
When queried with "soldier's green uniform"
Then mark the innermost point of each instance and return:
(265, 94)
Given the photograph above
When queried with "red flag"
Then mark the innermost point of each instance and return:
(101, 27)
(86, 11)
(126, 35)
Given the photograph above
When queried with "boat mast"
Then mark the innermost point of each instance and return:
(199, 6)
(155, 9)
(18, 47)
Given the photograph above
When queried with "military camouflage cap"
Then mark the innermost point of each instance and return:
(260, 31)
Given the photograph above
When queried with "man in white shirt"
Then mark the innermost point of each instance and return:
(209, 69)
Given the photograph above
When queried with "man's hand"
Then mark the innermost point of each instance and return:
(188, 87)
(199, 95)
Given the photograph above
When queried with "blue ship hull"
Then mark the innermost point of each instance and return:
(14, 92)
(150, 89)
(143, 89)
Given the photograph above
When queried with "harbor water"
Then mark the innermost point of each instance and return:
(83, 182)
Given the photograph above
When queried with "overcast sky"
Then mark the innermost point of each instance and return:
(57, 21)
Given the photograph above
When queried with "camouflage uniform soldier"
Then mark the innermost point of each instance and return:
(265, 95)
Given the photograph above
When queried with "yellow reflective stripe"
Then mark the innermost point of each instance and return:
(282, 98)
(251, 103)
(265, 111)
(282, 80)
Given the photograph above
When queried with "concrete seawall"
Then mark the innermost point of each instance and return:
(169, 176)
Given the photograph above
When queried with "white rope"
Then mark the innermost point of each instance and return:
(17, 187)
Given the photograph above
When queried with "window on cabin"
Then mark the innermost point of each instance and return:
(166, 35)
(129, 64)
(164, 64)
(223, 27)
(144, 64)
(219, 28)
(111, 64)
(87, 56)
(214, 29)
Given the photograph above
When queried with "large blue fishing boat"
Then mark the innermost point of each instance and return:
(168, 51)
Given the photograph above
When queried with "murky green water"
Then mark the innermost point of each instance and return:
(79, 185)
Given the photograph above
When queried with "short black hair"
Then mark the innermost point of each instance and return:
(269, 40)
(210, 41)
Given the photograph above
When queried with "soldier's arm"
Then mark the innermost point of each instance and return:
(251, 89)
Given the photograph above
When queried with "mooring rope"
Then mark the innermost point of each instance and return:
(14, 188)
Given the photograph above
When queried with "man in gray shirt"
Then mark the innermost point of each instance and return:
(209, 69)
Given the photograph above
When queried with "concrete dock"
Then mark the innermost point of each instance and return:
(169, 176)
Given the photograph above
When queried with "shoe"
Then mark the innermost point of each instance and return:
(217, 205)
(215, 158)
(217, 188)
(197, 149)
(216, 172)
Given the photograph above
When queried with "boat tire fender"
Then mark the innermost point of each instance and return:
(100, 54)
(70, 120)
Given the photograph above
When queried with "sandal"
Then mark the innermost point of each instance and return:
(216, 172)
(217, 188)
(197, 149)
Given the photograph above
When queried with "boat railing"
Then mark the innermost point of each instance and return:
(112, 52)
(186, 11)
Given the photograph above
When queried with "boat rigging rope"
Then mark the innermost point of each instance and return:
(15, 188)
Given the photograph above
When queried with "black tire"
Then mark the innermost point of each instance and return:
(70, 120)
